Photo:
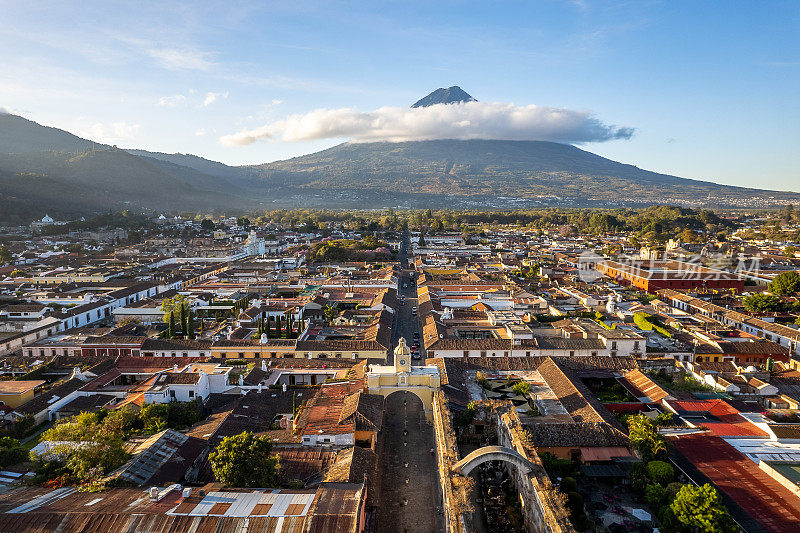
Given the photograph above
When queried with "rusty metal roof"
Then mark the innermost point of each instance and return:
(131, 510)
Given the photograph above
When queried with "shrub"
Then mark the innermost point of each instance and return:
(673, 488)
(568, 484)
(575, 503)
(660, 472)
(11, 452)
(638, 477)
(656, 496)
(521, 388)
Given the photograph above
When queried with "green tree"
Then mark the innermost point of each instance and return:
(207, 224)
(171, 325)
(762, 303)
(245, 460)
(785, 283)
(330, 312)
(154, 417)
(660, 472)
(174, 304)
(11, 452)
(184, 323)
(95, 460)
(645, 438)
(656, 496)
(190, 325)
(701, 508)
(421, 240)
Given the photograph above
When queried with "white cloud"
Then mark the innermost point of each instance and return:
(201, 132)
(113, 133)
(180, 58)
(469, 120)
(172, 101)
(275, 101)
(212, 97)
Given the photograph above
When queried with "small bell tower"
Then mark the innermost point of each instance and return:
(402, 357)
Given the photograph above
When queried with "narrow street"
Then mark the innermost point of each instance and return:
(406, 324)
(409, 486)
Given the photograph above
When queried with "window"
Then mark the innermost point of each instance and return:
(594, 354)
(191, 394)
(572, 353)
(636, 345)
(172, 393)
(613, 345)
(241, 355)
(466, 353)
(483, 353)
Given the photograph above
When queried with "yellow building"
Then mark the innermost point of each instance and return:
(423, 381)
(15, 393)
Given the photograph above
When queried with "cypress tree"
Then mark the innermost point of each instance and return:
(184, 327)
(190, 325)
(171, 326)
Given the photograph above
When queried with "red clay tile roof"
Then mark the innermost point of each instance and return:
(764, 499)
(729, 422)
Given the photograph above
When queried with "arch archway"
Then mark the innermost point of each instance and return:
(492, 453)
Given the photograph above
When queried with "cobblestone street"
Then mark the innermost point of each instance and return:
(408, 482)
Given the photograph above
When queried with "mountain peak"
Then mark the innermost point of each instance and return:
(451, 95)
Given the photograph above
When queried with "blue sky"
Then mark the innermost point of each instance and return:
(711, 88)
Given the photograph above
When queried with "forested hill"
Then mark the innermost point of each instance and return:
(477, 168)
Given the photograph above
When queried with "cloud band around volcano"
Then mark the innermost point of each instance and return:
(466, 120)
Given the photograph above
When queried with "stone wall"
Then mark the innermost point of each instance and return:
(458, 492)
(543, 507)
